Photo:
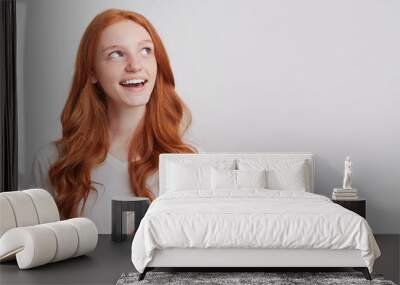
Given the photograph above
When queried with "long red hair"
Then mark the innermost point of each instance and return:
(85, 137)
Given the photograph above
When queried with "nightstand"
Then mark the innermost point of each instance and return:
(358, 206)
(120, 205)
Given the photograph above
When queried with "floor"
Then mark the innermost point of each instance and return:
(110, 260)
(102, 266)
(388, 263)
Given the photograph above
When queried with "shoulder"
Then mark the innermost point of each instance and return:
(199, 148)
(45, 157)
(192, 141)
(47, 153)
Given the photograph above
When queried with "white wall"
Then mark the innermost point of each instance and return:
(311, 75)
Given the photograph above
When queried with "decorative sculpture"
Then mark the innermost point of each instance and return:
(347, 173)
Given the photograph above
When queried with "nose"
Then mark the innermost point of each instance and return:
(133, 65)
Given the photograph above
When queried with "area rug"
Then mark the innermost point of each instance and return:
(269, 278)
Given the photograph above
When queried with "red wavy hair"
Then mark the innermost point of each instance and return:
(85, 137)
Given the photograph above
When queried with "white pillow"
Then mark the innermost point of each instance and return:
(251, 178)
(236, 179)
(223, 179)
(182, 177)
(282, 174)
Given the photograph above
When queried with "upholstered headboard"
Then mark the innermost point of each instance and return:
(231, 160)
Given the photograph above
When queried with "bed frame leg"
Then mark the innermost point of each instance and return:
(143, 274)
(364, 271)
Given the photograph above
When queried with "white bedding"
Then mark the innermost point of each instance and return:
(250, 218)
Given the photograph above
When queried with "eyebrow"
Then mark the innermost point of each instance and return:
(110, 47)
(117, 46)
(146, 41)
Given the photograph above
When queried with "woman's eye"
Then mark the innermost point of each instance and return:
(116, 54)
(146, 50)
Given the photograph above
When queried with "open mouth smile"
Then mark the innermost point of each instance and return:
(134, 84)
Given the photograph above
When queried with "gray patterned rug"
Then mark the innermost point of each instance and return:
(229, 278)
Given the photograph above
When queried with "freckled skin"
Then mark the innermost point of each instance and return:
(125, 51)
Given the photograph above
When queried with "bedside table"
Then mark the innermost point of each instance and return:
(358, 206)
(119, 205)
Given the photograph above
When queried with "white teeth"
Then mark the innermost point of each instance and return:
(133, 81)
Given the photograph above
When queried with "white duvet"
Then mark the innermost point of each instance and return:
(250, 218)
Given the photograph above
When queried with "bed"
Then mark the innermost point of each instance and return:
(247, 210)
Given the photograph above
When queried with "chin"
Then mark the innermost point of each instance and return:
(138, 102)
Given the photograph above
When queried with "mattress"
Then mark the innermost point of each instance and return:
(250, 219)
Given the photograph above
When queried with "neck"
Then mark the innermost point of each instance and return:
(123, 122)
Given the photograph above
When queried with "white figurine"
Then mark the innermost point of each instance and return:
(347, 173)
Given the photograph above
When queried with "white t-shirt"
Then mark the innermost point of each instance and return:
(112, 180)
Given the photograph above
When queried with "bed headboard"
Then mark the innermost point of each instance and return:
(226, 158)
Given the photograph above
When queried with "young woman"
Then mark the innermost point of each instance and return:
(121, 113)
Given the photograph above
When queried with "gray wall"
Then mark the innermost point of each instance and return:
(258, 76)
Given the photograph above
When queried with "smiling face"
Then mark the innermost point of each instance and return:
(125, 64)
